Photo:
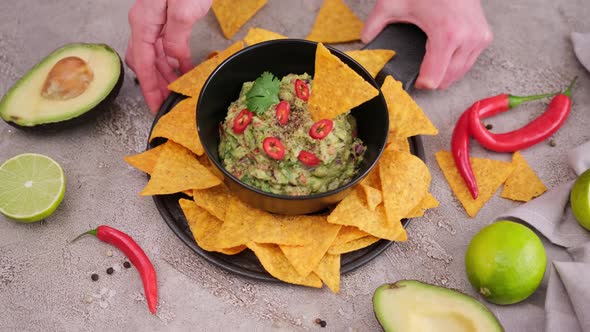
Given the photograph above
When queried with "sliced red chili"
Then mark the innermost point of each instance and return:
(308, 158)
(302, 90)
(242, 121)
(321, 129)
(273, 148)
(283, 111)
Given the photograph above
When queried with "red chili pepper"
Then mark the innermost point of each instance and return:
(308, 158)
(461, 134)
(283, 110)
(536, 131)
(273, 148)
(242, 121)
(321, 129)
(137, 257)
(301, 90)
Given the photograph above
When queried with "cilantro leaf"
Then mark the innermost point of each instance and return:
(264, 93)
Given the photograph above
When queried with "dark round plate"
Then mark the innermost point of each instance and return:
(245, 263)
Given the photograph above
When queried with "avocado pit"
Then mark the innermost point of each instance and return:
(68, 79)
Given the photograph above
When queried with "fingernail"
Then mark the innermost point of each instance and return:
(424, 84)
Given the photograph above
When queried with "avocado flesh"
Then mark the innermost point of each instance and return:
(25, 106)
(411, 305)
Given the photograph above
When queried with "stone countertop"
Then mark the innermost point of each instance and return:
(45, 282)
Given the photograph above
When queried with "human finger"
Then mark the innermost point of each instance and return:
(457, 66)
(381, 15)
(439, 50)
(162, 63)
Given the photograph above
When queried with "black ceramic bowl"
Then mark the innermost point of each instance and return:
(282, 57)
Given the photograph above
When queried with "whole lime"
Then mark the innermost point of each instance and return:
(505, 262)
(580, 199)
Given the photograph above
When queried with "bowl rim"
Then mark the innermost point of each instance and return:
(350, 184)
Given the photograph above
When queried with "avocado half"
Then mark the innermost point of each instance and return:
(410, 305)
(64, 88)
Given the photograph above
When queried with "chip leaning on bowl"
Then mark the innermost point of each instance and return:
(268, 139)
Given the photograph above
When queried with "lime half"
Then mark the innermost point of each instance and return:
(580, 199)
(31, 187)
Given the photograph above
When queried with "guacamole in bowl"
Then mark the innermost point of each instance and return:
(269, 141)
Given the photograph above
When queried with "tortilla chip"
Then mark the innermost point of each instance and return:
(243, 223)
(306, 258)
(353, 245)
(428, 202)
(397, 143)
(406, 118)
(523, 184)
(177, 170)
(405, 180)
(232, 15)
(329, 271)
(204, 226)
(489, 173)
(353, 211)
(372, 179)
(274, 262)
(258, 35)
(336, 87)
(347, 234)
(188, 192)
(214, 200)
(372, 195)
(372, 60)
(191, 83)
(336, 23)
(180, 126)
(146, 160)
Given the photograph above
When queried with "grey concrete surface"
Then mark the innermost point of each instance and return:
(45, 282)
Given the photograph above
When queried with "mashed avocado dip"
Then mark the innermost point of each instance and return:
(269, 141)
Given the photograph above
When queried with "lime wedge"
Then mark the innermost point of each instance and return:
(31, 187)
(580, 199)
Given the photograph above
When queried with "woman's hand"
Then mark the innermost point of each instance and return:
(457, 33)
(158, 47)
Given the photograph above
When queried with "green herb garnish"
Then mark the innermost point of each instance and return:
(264, 93)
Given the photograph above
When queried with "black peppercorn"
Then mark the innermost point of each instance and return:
(110, 270)
(127, 265)
(94, 277)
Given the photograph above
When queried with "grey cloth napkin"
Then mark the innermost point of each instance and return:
(567, 300)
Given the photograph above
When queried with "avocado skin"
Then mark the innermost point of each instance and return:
(417, 283)
(90, 115)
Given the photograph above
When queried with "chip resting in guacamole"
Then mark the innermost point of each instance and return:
(269, 140)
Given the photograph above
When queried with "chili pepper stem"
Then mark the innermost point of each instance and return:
(90, 232)
(514, 101)
(568, 92)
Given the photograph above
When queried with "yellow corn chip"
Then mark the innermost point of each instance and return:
(180, 126)
(372, 195)
(353, 211)
(372, 179)
(405, 180)
(352, 245)
(489, 173)
(336, 87)
(428, 202)
(188, 192)
(329, 271)
(258, 35)
(243, 223)
(214, 200)
(177, 169)
(372, 60)
(397, 143)
(274, 261)
(145, 161)
(347, 234)
(204, 226)
(306, 258)
(523, 184)
(336, 23)
(191, 83)
(232, 14)
(406, 118)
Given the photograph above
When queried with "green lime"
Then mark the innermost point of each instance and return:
(505, 262)
(580, 199)
(31, 187)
